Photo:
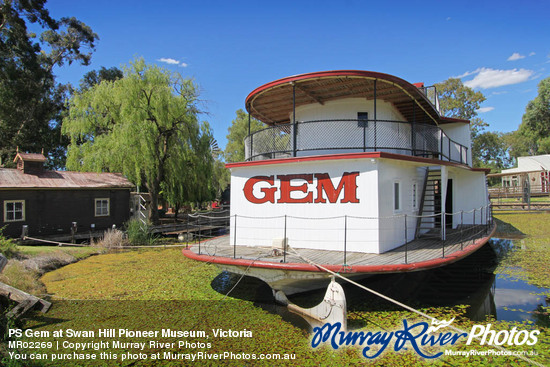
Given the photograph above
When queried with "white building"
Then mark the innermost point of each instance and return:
(534, 169)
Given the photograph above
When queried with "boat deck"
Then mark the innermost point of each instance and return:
(459, 243)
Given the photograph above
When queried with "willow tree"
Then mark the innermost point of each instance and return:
(144, 125)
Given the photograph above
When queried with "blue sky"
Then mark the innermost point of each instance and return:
(231, 47)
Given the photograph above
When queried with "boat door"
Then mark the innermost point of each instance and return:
(449, 204)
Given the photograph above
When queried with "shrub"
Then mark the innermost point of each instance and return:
(139, 234)
(8, 247)
(112, 239)
(19, 276)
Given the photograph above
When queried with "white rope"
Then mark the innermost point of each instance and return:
(84, 245)
(402, 304)
(55, 242)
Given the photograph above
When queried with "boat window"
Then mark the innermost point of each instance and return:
(396, 196)
(362, 119)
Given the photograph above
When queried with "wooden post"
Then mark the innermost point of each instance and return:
(3, 262)
(24, 231)
(25, 301)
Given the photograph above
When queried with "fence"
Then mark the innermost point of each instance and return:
(342, 233)
(349, 135)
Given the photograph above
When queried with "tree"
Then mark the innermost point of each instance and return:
(31, 102)
(144, 125)
(533, 134)
(492, 151)
(238, 131)
(95, 77)
(459, 101)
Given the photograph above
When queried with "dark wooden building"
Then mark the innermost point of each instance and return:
(48, 202)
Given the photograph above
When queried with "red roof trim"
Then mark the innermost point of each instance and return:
(331, 73)
(360, 155)
(391, 268)
(322, 74)
(452, 119)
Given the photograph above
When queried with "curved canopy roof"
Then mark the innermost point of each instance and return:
(273, 102)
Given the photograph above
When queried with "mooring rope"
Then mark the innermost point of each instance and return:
(528, 360)
(88, 245)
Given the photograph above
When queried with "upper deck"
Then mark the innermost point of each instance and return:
(349, 111)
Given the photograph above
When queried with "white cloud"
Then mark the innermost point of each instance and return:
(491, 78)
(485, 109)
(516, 56)
(467, 73)
(532, 54)
(168, 61)
(448, 18)
(183, 65)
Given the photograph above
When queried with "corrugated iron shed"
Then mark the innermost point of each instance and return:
(15, 179)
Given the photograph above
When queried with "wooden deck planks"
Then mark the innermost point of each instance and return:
(417, 251)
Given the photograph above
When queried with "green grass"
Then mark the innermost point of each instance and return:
(78, 252)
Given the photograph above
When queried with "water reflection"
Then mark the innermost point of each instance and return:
(470, 281)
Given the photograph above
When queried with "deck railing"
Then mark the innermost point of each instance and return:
(348, 135)
(347, 231)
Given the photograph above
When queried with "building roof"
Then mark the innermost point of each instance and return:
(274, 102)
(11, 178)
(530, 164)
(33, 157)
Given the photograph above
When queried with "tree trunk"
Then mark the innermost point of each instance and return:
(154, 204)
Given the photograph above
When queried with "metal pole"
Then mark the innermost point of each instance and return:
(284, 239)
(345, 238)
(441, 142)
(294, 138)
(199, 221)
(235, 238)
(364, 135)
(188, 232)
(461, 229)
(413, 138)
(250, 140)
(474, 225)
(375, 115)
(406, 239)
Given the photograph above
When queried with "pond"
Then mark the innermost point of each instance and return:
(471, 281)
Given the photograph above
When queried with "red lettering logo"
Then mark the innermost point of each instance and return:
(290, 184)
(269, 192)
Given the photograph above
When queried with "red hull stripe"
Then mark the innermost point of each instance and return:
(392, 268)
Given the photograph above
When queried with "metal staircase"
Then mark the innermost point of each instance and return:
(430, 203)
